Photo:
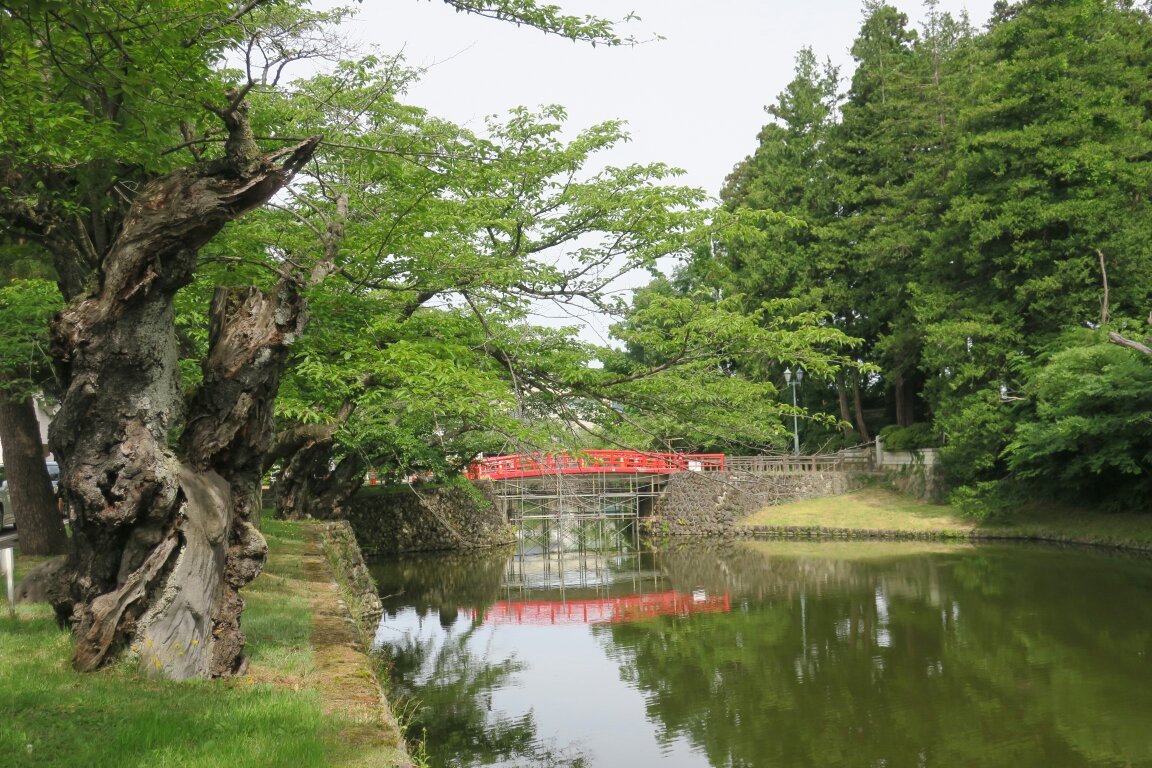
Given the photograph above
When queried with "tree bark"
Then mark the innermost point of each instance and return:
(858, 410)
(845, 413)
(29, 488)
(904, 396)
(306, 453)
(161, 540)
(1123, 341)
(228, 432)
(342, 483)
(301, 477)
(309, 486)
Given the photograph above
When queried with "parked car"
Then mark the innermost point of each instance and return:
(7, 516)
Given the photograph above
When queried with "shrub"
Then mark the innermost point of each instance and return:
(909, 438)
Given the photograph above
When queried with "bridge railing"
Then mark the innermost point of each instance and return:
(782, 464)
(592, 462)
(643, 462)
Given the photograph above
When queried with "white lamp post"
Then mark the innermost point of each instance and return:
(794, 382)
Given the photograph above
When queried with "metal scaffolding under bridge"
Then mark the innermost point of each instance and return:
(592, 500)
(564, 512)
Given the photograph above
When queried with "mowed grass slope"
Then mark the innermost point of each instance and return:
(272, 716)
(876, 509)
(868, 509)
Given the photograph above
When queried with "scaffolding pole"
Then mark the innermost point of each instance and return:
(578, 512)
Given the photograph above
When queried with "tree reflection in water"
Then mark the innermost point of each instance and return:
(444, 691)
(971, 657)
(440, 684)
(832, 654)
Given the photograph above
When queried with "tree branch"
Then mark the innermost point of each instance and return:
(1116, 338)
(243, 10)
(1104, 300)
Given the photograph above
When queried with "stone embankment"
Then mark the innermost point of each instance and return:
(345, 674)
(711, 503)
(416, 518)
(822, 532)
(357, 587)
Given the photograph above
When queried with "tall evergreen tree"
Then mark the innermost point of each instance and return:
(866, 188)
(891, 151)
(1047, 194)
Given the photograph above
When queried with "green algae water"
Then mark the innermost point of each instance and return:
(774, 654)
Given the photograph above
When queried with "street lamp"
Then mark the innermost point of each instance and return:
(794, 382)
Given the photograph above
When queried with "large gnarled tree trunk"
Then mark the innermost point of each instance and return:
(163, 538)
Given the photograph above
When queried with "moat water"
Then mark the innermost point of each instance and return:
(773, 653)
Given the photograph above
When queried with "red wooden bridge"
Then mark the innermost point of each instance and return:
(520, 465)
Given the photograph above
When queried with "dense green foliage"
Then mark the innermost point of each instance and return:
(1089, 435)
(434, 250)
(693, 372)
(25, 308)
(966, 203)
(958, 207)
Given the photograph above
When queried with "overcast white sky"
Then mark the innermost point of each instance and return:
(694, 100)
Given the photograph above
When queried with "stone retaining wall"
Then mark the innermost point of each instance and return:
(920, 481)
(427, 518)
(710, 503)
(358, 588)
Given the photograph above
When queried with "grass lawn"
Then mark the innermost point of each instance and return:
(1132, 530)
(880, 509)
(273, 716)
(868, 509)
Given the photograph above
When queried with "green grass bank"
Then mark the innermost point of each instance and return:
(883, 511)
(283, 712)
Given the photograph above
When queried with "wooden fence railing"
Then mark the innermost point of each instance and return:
(767, 464)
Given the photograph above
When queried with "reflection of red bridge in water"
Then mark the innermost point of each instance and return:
(592, 463)
(608, 609)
